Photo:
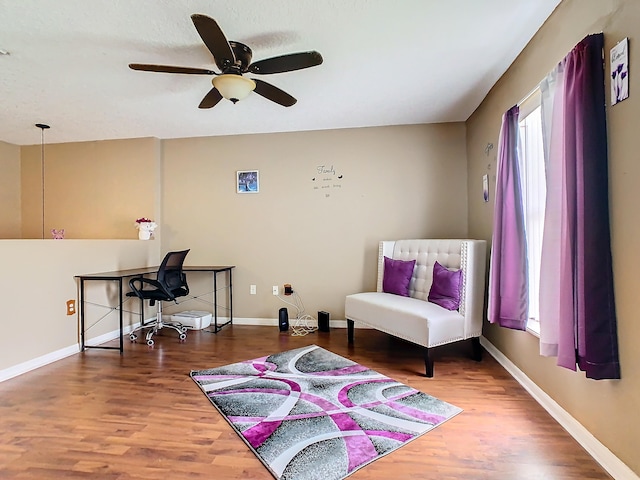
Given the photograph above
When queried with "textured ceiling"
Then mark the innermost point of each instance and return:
(386, 62)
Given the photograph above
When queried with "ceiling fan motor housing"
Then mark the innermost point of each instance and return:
(243, 56)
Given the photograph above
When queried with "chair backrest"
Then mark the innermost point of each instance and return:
(170, 274)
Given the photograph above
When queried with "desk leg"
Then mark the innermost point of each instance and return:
(215, 302)
(231, 296)
(121, 319)
(82, 314)
(229, 299)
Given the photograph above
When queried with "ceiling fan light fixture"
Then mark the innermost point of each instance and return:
(233, 87)
(233, 59)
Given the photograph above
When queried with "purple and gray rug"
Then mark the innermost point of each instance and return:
(311, 414)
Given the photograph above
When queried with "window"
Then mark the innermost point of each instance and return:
(532, 173)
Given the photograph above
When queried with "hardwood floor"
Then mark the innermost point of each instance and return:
(140, 416)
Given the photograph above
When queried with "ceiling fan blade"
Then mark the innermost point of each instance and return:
(214, 39)
(211, 99)
(274, 94)
(286, 63)
(170, 69)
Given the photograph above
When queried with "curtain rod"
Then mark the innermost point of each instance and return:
(529, 95)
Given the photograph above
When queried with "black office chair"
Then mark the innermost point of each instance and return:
(171, 282)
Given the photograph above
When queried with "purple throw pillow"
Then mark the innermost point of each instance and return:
(397, 275)
(446, 287)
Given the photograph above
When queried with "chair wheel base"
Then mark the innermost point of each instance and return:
(154, 329)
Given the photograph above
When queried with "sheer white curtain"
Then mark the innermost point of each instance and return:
(551, 262)
(534, 199)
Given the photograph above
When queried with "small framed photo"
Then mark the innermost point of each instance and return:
(247, 181)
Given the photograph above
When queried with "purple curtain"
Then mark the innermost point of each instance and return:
(508, 293)
(577, 306)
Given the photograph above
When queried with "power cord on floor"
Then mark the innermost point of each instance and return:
(303, 324)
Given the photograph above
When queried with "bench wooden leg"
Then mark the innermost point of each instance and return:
(350, 331)
(477, 349)
(428, 362)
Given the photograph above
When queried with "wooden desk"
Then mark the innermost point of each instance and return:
(119, 275)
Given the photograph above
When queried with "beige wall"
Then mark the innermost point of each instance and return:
(92, 189)
(34, 315)
(10, 217)
(608, 409)
(397, 182)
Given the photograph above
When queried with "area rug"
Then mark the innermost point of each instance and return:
(311, 414)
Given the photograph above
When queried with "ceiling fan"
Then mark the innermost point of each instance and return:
(234, 59)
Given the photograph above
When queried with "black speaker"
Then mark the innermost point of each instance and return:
(323, 321)
(283, 319)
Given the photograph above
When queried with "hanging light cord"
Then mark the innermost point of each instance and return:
(42, 128)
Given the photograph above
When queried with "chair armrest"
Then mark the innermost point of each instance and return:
(137, 285)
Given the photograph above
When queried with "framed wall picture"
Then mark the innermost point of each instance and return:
(247, 181)
(485, 187)
(620, 71)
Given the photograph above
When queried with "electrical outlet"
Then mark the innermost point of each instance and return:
(252, 291)
(275, 290)
(71, 307)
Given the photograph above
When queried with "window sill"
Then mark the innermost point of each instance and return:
(533, 327)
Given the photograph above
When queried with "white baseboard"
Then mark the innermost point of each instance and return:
(54, 356)
(343, 324)
(51, 357)
(601, 454)
(107, 337)
(38, 362)
(265, 322)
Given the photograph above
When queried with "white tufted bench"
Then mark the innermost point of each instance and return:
(414, 318)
